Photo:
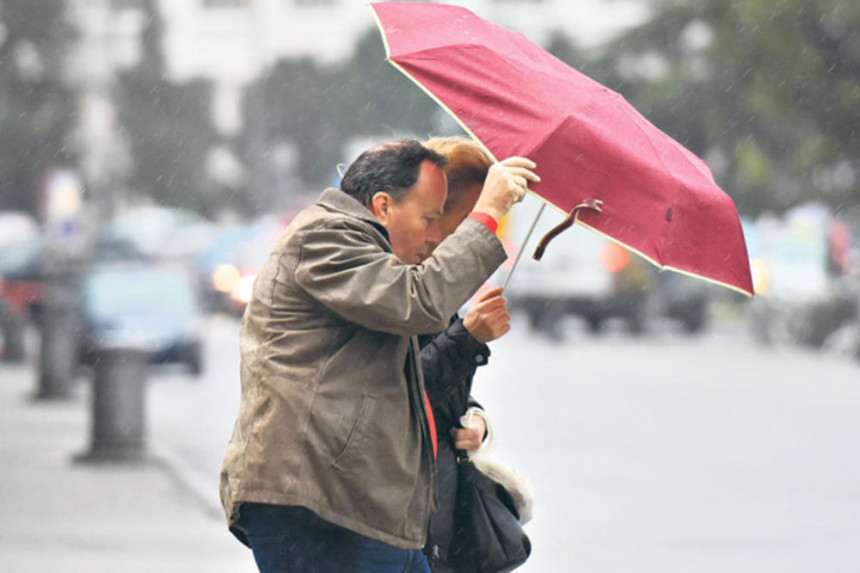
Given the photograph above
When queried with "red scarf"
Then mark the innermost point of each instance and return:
(432, 422)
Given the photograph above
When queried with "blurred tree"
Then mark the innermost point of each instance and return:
(169, 128)
(377, 99)
(593, 63)
(768, 92)
(310, 112)
(291, 128)
(36, 108)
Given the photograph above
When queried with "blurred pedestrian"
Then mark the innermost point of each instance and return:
(449, 360)
(331, 464)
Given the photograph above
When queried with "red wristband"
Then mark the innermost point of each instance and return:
(487, 220)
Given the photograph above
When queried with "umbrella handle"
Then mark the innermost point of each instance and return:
(593, 204)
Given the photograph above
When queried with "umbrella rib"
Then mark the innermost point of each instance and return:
(635, 116)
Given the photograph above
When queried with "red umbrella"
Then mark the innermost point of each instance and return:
(591, 146)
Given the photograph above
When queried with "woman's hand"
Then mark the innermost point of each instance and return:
(470, 438)
(488, 318)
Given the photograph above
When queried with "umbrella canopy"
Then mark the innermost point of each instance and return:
(590, 145)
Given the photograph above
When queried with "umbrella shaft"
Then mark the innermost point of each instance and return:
(523, 246)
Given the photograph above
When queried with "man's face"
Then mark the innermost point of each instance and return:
(412, 224)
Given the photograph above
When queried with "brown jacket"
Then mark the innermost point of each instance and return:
(332, 414)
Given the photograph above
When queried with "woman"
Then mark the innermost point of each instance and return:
(450, 359)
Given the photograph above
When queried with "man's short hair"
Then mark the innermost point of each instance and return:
(391, 168)
(468, 164)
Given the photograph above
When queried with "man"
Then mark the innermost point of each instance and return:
(331, 464)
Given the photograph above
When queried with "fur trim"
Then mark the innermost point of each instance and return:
(514, 481)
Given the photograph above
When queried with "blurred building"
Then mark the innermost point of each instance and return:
(108, 42)
(232, 42)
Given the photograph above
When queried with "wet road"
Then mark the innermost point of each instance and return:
(659, 454)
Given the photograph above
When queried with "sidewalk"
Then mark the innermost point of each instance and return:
(61, 515)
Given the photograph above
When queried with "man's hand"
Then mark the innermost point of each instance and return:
(505, 185)
(488, 318)
(470, 438)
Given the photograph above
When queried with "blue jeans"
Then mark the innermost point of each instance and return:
(291, 539)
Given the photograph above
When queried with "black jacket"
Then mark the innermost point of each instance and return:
(449, 361)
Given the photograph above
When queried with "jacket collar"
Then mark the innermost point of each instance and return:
(336, 200)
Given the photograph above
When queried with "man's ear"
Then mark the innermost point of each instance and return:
(381, 206)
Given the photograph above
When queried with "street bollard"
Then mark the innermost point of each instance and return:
(118, 405)
(14, 332)
(58, 358)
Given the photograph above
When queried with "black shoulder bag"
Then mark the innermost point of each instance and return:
(488, 537)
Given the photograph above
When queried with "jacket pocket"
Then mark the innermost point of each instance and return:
(357, 433)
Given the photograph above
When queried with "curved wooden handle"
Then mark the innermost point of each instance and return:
(593, 204)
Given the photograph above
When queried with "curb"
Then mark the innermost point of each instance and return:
(190, 479)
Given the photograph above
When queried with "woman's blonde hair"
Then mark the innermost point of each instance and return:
(468, 164)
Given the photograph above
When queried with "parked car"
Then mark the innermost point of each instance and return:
(228, 268)
(217, 272)
(154, 307)
(17, 227)
(802, 295)
(684, 299)
(21, 289)
(587, 275)
(159, 233)
(21, 274)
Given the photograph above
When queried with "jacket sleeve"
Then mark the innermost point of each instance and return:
(451, 358)
(346, 268)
